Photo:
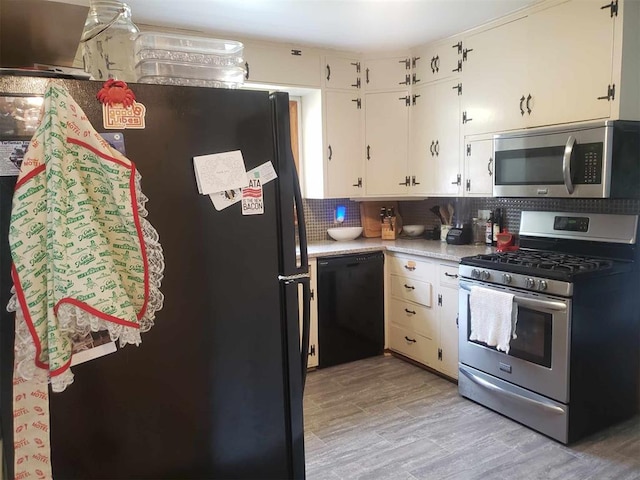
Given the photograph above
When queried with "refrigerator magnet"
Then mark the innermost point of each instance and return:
(119, 107)
(252, 199)
(11, 156)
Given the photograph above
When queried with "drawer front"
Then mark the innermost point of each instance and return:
(407, 288)
(413, 346)
(414, 318)
(448, 275)
(411, 267)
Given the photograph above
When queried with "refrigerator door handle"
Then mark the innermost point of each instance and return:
(302, 228)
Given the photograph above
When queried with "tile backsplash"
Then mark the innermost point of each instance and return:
(320, 214)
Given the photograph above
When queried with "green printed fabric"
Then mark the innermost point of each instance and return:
(76, 238)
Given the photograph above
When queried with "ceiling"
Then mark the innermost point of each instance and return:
(356, 25)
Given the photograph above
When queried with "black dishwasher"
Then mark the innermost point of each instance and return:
(350, 307)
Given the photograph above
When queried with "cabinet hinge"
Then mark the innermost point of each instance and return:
(407, 63)
(312, 294)
(611, 93)
(439, 300)
(297, 53)
(413, 181)
(407, 100)
(465, 119)
(468, 149)
(407, 80)
(358, 102)
(613, 6)
(312, 350)
(459, 88)
(359, 184)
(413, 61)
(458, 180)
(468, 185)
(459, 69)
(414, 79)
(458, 46)
(415, 97)
(358, 84)
(357, 65)
(439, 354)
(465, 52)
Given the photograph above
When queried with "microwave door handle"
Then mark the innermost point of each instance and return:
(566, 163)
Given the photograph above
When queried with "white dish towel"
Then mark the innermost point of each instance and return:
(492, 317)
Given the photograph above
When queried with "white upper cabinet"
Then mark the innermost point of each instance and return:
(570, 62)
(434, 154)
(282, 65)
(494, 74)
(478, 167)
(554, 66)
(436, 61)
(344, 152)
(387, 73)
(387, 124)
(342, 73)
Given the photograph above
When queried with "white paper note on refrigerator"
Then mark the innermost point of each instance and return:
(220, 171)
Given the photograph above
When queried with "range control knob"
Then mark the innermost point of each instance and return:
(484, 275)
(542, 285)
(475, 273)
(506, 278)
(530, 283)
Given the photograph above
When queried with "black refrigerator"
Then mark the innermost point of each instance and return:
(215, 389)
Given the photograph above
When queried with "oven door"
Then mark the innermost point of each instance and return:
(538, 358)
(553, 162)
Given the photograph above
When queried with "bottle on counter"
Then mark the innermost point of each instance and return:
(497, 226)
(488, 231)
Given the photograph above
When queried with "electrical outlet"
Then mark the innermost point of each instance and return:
(484, 214)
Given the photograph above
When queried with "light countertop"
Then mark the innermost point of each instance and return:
(418, 246)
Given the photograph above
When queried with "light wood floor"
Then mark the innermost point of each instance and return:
(383, 418)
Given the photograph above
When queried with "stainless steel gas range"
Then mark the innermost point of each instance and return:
(574, 365)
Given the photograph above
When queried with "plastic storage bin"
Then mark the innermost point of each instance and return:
(174, 59)
(189, 74)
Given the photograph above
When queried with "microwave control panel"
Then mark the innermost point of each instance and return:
(586, 167)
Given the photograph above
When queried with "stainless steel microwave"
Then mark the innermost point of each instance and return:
(595, 160)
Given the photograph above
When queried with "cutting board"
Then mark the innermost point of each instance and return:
(370, 217)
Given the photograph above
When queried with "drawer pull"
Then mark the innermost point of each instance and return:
(410, 340)
(409, 287)
(410, 268)
(451, 275)
(412, 312)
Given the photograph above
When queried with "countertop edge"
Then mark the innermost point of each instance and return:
(425, 248)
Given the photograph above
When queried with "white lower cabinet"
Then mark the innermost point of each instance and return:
(423, 311)
(313, 330)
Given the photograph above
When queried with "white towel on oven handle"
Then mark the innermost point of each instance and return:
(493, 318)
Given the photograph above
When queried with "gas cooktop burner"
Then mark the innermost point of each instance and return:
(543, 264)
(549, 261)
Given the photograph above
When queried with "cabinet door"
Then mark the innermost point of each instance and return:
(312, 360)
(448, 315)
(344, 155)
(422, 134)
(494, 78)
(342, 73)
(282, 65)
(448, 319)
(387, 73)
(437, 62)
(387, 123)
(570, 62)
(447, 147)
(478, 168)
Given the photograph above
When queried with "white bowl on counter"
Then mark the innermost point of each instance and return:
(343, 234)
(413, 230)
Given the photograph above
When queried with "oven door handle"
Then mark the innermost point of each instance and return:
(532, 302)
(495, 388)
(566, 163)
